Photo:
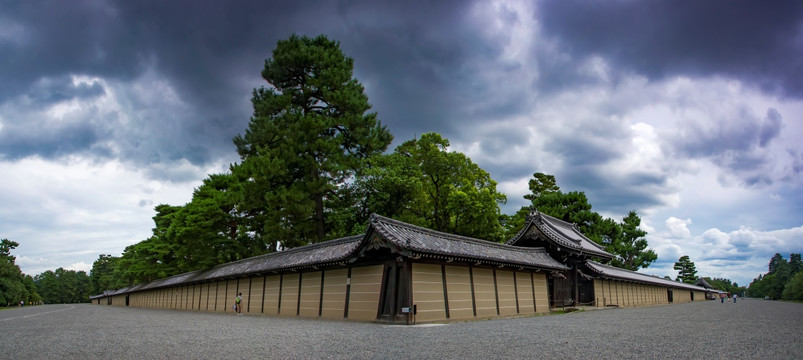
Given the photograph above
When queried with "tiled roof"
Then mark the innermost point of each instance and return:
(436, 244)
(703, 283)
(404, 238)
(561, 233)
(320, 254)
(610, 272)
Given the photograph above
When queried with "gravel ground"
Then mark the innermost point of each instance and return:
(749, 329)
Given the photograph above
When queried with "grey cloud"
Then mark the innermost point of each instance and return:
(52, 90)
(797, 161)
(18, 142)
(424, 60)
(755, 41)
(500, 140)
(578, 151)
(506, 169)
(589, 141)
(212, 54)
(63, 38)
(27, 131)
(771, 128)
(736, 142)
(613, 191)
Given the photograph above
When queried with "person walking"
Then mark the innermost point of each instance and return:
(238, 304)
(722, 297)
(734, 298)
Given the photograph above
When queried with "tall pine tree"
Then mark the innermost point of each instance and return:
(687, 272)
(310, 131)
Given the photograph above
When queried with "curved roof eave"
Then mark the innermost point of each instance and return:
(412, 238)
(562, 234)
(610, 272)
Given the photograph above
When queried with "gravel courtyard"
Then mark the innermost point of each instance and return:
(749, 329)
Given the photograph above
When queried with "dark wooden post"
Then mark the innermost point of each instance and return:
(576, 287)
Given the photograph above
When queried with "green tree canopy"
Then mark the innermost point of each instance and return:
(424, 183)
(207, 231)
(795, 264)
(781, 280)
(310, 132)
(777, 264)
(102, 274)
(63, 286)
(794, 288)
(541, 184)
(687, 272)
(630, 247)
(14, 285)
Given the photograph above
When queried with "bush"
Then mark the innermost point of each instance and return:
(794, 288)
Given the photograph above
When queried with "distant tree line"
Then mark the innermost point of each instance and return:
(783, 281)
(64, 286)
(15, 287)
(726, 285)
(50, 287)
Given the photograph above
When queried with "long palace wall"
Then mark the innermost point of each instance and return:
(439, 293)
(627, 294)
(445, 292)
(350, 293)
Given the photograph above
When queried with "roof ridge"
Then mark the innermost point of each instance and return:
(191, 274)
(454, 237)
(656, 277)
(569, 225)
(321, 244)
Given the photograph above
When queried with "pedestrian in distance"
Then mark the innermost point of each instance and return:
(734, 298)
(722, 297)
(238, 303)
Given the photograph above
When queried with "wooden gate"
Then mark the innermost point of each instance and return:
(561, 294)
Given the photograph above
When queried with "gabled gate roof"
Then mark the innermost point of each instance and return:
(560, 233)
(419, 241)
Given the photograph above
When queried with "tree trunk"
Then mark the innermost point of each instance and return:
(319, 218)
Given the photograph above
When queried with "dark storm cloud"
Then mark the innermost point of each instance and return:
(423, 62)
(771, 128)
(607, 188)
(57, 89)
(736, 142)
(760, 42)
(211, 54)
(501, 139)
(17, 142)
(500, 153)
(32, 132)
(61, 38)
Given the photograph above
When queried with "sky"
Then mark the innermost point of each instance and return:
(688, 112)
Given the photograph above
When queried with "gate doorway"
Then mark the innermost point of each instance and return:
(395, 295)
(561, 294)
(586, 291)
